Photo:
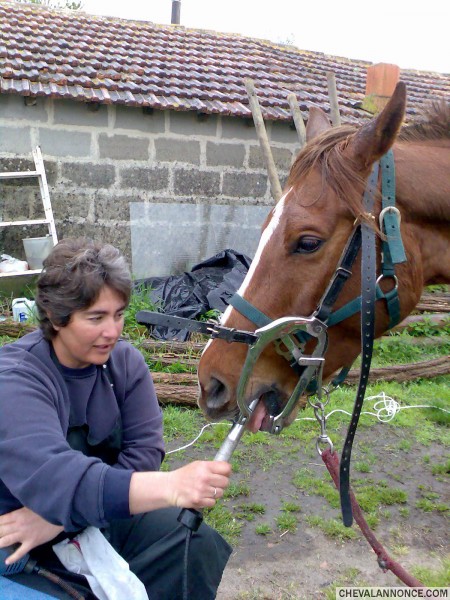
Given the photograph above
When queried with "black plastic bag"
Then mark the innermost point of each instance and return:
(208, 286)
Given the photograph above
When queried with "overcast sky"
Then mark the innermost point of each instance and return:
(408, 33)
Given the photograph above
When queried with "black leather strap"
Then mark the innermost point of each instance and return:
(342, 273)
(368, 299)
(147, 317)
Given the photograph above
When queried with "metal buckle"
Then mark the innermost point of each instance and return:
(389, 209)
(233, 335)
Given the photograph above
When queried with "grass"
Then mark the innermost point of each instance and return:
(331, 528)
(263, 529)
(287, 522)
(350, 578)
(439, 577)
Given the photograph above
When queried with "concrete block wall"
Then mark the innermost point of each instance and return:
(100, 158)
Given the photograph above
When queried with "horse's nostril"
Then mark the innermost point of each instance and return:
(217, 393)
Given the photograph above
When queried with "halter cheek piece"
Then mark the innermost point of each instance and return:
(290, 334)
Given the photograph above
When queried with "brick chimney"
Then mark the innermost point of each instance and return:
(381, 81)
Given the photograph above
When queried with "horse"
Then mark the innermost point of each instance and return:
(305, 234)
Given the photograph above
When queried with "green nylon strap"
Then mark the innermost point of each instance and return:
(393, 251)
(354, 306)
(390, 216)
(257, 317)
(249, 311)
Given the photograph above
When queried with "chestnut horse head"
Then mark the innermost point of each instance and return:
(304, 236)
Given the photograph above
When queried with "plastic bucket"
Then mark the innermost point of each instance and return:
(36, 250)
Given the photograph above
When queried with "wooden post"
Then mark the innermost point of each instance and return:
(263, 140)
(335, 116)
(298, 119)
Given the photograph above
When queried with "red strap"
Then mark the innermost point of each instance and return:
(331, 461)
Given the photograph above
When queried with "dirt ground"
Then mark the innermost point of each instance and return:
(303, 564)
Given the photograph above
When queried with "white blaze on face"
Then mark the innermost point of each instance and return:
(265, 237)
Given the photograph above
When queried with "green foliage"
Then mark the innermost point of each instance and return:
(427, 328)
(210, 315)
(139, 301)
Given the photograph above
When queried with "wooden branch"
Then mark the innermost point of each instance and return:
(181, 395)
(263, 139)
(332, 93)
(400, 373)
(434, 303)
(298, 119)
(174, 379)
(182, 389)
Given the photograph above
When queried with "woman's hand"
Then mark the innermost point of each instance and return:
(196, 485)
(26, 528)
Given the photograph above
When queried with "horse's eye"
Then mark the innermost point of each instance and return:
(308, 244)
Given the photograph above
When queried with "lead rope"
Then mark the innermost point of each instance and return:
(385, 562)
(331, 461)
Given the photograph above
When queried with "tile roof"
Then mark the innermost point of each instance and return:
(73, 55)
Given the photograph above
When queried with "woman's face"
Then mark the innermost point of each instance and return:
(91, 333)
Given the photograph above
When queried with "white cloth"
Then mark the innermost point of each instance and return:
(90, 554)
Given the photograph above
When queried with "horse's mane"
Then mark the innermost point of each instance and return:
(434, 124)
(326, 152)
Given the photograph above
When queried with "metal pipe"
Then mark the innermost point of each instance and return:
(176, 8)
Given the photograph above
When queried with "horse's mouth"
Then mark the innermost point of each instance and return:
(270, 404)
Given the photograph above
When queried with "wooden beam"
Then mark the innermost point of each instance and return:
(298, 119)
(332, 93)
(263, 139)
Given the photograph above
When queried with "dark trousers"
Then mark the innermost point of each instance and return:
(153, 544)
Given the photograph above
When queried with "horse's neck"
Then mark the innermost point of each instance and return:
(423, 197)
(423, 181)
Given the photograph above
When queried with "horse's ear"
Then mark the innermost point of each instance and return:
(373, 140)
(317, 123)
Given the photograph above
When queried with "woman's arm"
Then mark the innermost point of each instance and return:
(196, 485)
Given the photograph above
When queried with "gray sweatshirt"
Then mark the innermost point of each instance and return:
(39, 399)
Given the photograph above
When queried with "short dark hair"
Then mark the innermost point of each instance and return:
(73, 276)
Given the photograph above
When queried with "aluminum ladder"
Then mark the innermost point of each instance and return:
(39, 174)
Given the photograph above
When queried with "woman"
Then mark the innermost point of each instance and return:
(81, 438)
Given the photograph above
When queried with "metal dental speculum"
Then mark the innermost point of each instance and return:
(284, 331)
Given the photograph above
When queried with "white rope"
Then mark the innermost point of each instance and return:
(385, 410)
(195, 439)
